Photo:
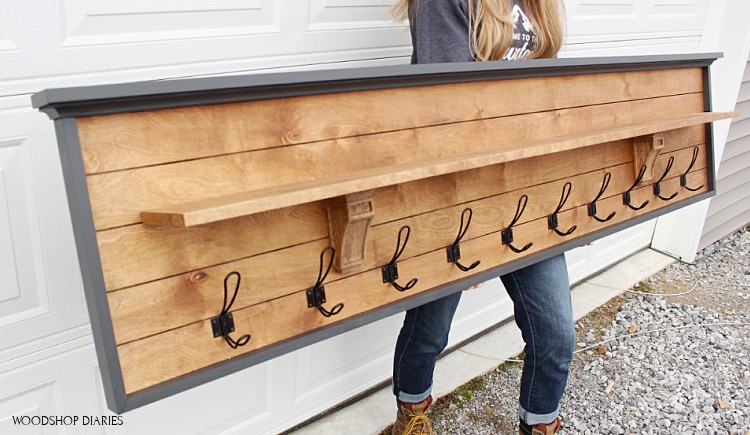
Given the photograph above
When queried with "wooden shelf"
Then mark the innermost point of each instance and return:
(247, 203)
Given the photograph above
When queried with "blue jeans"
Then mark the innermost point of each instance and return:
(543, 312)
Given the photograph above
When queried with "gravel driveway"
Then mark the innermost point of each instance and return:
(672, 356)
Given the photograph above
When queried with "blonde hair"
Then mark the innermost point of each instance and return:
(491, 26)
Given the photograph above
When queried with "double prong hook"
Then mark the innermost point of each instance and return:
(683, 177)
(626, 194)
(390, 270)
(454, 250)
(316, 296)
(552, 219)
(223, 325)
(592, 206)
(657, 186)
(507, 233)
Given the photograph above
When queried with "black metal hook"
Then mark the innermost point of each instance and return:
(552, 219)
(592, 206)
(657, 186)
(454, 250)
(683, 177)
(626, 194)
(316, 296)
(390, 270)
(223, 325)
(507, 233)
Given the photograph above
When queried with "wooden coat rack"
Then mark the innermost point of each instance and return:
(205, 209)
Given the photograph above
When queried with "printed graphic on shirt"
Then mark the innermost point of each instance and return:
(523, 34)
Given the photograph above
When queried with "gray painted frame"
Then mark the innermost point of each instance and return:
(64, 105)
(159, 94)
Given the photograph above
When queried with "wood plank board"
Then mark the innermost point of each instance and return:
(130, 140)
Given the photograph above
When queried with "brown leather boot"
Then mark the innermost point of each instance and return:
(539, 429)
(411, 418)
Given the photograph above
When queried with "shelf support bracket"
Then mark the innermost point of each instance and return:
(646, 149)
(349, 219)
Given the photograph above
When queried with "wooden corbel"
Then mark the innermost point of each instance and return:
(645, 151)
(349, 220)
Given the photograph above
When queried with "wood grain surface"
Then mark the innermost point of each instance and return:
(241, 204)
(182, 197)
(130, 140)
(215, 177)
(183, 299)
(155, 359)
(136, 254)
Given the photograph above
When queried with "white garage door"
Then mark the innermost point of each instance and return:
(47, 361)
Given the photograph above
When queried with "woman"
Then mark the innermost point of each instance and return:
(464, 31)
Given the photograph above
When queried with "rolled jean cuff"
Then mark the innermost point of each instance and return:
(531, 419)
(413, 398)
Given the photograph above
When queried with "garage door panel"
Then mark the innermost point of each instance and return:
(624, 20)
(335, 366)
(21, 295)
(40, 286)
(8, 28)
(59, 385)
(349, 14)
(87, 23)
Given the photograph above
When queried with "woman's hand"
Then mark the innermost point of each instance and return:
(475, 286)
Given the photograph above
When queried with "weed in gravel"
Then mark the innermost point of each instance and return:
(459, 397)
(465, 392)
(509, 364)
(643, 287)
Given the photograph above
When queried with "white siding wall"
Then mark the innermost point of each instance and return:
(47, 361)
(729, 210)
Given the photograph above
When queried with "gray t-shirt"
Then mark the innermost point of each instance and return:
(440, 32)
(524, 39)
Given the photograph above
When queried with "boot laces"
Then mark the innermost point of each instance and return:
(419, 424)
